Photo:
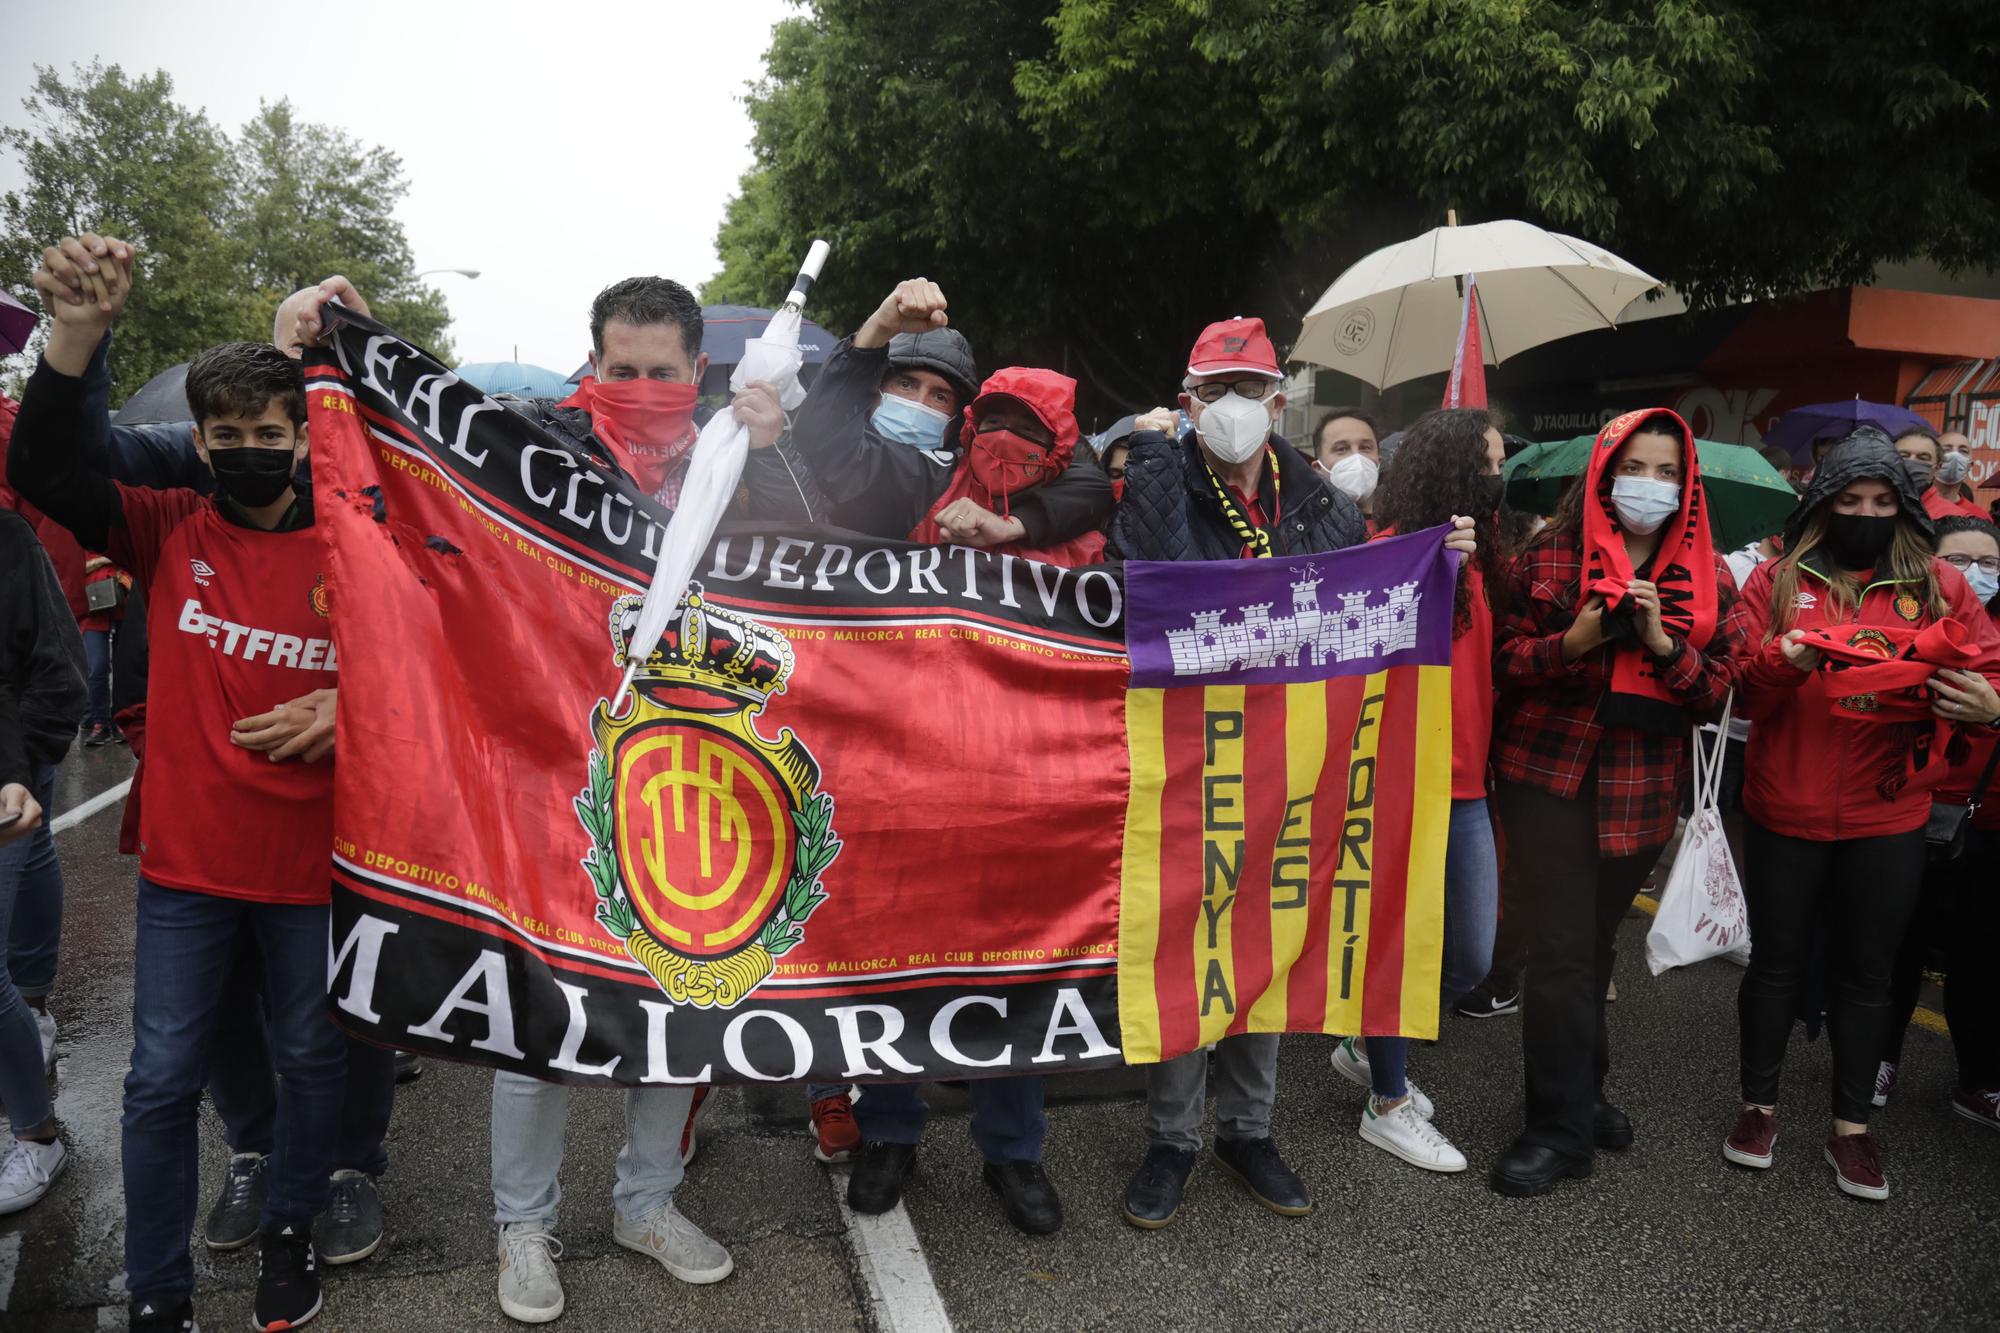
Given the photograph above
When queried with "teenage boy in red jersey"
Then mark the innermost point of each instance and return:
(229, 840)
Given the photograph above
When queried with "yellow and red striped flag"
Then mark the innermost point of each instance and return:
(1289, 725)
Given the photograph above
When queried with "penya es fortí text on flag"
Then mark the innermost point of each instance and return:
(863, 819)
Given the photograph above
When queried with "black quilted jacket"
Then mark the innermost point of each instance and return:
(1170, 511)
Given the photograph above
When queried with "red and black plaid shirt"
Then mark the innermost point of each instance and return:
(1547, 734)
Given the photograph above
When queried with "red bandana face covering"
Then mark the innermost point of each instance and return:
(648, 423)
(1004, 463)
(1683, 568)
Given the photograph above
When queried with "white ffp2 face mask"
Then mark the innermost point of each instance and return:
(1355, 474)
(1643, 504)
(1234, 427)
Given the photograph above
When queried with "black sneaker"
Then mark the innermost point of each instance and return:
(1482, 1001)
(161, 1317)
(1153, 1195)
(1256, 1163)
(287, 1278)
(877, 1183)
(232, 1223)
(1027, 1196)
(118, 735)
(95, 735)
(408, 1067)
(351, 1227)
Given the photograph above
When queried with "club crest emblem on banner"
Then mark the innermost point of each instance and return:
(708, 839)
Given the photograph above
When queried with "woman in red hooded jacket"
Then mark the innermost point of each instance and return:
(1837, 783)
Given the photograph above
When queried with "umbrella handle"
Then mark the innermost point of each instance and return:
(808, 274)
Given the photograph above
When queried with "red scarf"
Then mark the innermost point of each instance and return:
(1683, 566)
(1085, 550)
(1877, 672)
(647, 424)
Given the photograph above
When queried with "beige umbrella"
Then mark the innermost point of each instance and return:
(1395, 315)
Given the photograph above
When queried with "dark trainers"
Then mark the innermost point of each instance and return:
(95, 735)
(155, 1316)
(287, 1278)
(1981, 1106)
(351, 1227)
(1153, 1195)
(1754, 1139)
(409, 1068)
(232, 1223)
(877, 1183)
(1856, 1160)
(1256, 1163)
(1483, 1001)
(1027, 1196)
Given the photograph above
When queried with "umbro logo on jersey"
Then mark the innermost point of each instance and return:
(202, 573)
(1805, 601)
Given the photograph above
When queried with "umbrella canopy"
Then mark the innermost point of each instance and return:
(161, 399)
(17, 324)
(1799, 428)
(516, 377)
(1747, 499)
(1395, 315)
(726, 328)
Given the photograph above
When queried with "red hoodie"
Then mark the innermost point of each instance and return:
(1822, 772)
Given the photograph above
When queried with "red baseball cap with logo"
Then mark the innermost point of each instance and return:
(1234, 346)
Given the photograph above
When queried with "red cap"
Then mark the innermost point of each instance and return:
(1234, 346)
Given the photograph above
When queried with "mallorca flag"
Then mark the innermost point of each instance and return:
(1467, 387)
(1268, 887)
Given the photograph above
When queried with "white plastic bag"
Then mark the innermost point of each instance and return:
(1702, 913)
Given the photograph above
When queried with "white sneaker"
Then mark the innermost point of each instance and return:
(45, 1023)
(1350, 1061)
(1885, 1083)
(667, 1235)
(28, 1172)
(530, 1291)
(1411, 1137)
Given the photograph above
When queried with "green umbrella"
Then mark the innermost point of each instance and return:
(1747, 498)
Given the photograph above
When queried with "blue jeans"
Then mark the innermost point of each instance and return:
(186, 944)
(97, 672)
(36, 934)
(1007, 1120)
(26, 866)
(242, 1085)
(1471, 916)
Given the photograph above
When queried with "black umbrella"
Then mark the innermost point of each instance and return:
(160, 400)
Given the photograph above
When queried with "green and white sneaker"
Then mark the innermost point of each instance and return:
(1409, 1136)
(1350, 1061)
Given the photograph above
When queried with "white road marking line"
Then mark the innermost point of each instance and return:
(69, 819)
(902, 1298)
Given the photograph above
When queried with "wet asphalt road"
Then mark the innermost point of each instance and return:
(1667, 1235)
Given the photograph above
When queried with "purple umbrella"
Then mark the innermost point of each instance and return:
(1799, 429)
(17, 324)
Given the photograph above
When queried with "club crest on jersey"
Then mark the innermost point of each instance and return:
(708, 839)
(1907, 606)
(321, 602)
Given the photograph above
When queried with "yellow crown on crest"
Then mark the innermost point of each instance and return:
(707, 646)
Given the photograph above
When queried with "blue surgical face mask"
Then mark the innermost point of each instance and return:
(1983, 584)
(909, 422)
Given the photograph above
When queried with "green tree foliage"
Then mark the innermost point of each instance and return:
(1091, 180)
(225, 230)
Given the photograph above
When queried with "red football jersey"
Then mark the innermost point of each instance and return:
(237, 624)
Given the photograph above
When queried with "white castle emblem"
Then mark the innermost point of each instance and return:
(1309, 636)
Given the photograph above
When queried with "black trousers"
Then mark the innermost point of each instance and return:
(1568, 900)
(1865, 891)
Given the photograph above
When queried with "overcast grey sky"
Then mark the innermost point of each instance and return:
(553, 147)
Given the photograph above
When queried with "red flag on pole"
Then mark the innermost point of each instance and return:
(1468, 364)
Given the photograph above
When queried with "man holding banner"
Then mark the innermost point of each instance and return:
(1228, 489)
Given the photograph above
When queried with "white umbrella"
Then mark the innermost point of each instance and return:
(1395, 315)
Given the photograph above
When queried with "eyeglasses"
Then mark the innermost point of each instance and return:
(1214, 391)
(1962, 562)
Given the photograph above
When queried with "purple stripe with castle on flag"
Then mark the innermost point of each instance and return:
(1291, 619)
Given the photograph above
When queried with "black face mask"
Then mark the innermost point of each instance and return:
(250, 475)
(1493, 489)
(1857, 541)
(1920, 474)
